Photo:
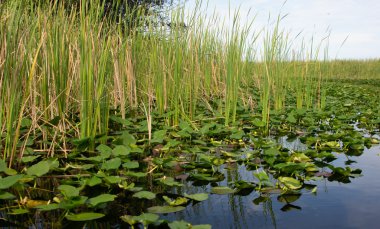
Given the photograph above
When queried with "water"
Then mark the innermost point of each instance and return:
(335, 205)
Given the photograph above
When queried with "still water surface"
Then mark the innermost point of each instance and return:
(335, 205)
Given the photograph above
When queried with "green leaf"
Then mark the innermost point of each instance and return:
(176, 202)
(120, 120)
(49, 207)
(105, 151)
(179, 225)
(271, 152)
(3, 166)
(222, 190)
(144, 195)
(103, 198)
(113, 179)
(111, 164)
(6, 195)
(169, 181)
(128, 139)
(131, 165)
(7, 182)
(73, 202)
(146, 218)
(27, 159)
(121, 150)
(158, 136)
(18, 211)
(39, 169)
(68, 190)
(257, 122)
(237, 135)
(128, 219)
(290, 182)
(85, 216)
(93, 181)
(262, 176)
(165, 209)
(197, 197)
(136, 174)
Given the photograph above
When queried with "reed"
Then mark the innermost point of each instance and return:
(75, 68)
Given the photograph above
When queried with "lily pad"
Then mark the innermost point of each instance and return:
(145, 195)
(112, 164)
(39, 169)
(85, 216)
(165, 209)
(6, 195)
(222, 190)
(47, 207)
(103, 198)
(7, 182)
(197, 197)
(290, 182)
(68, 190)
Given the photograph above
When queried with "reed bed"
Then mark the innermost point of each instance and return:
(63, 73)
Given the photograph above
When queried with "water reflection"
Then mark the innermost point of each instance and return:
(351, 205)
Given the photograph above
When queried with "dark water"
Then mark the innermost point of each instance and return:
(335, 205)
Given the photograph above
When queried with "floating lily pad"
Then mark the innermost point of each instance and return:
(85, 216)
(68, 190)
(103, 198)
(39, 169)
(8, 181)
(290, 182)
(197, 196)
(145, 195)
(6, 195)
(222, 190)
(165, 209)
(112, 164)
(175, 202)
(48, 207)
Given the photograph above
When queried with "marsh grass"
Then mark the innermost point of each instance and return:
(62, 74)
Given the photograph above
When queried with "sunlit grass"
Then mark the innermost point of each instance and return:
(62, 74)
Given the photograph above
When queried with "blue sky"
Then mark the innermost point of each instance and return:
(356, 20)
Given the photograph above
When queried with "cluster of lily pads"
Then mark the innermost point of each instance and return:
(132, 180)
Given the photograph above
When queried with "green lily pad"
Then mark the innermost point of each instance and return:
(103, 198)
(290, 182)
(146, 218)
(28, 159)
(121, 150)
(68, 190)
(169, 181)
(18, 211)
(131, 165)
(176, 202)
(7, 182)
(145, 195)
(93, 181)
(85, 216)
(197, 197)
(39, 169)
(165, 209)
(112, 164)
(222, 190)
(48, 207)
(6, 195)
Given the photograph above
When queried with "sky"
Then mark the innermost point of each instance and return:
(353, 26)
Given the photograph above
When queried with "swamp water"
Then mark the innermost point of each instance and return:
(334, 205)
